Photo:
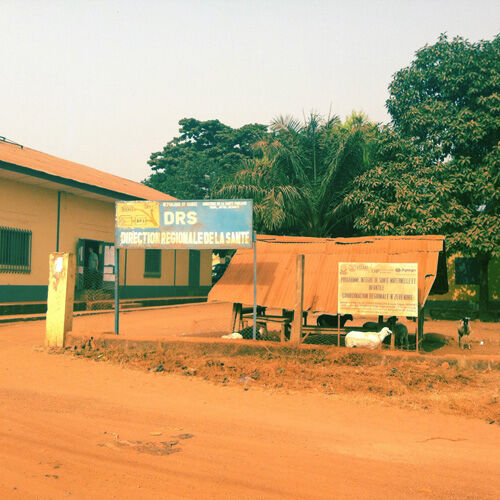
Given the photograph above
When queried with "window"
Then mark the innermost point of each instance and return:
(15, 250)
(466, 271)
(152, 264)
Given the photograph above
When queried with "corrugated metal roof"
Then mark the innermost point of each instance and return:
(41, 162)
(276, 256)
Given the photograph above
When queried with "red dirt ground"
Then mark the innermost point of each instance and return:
(213, 320)
(72, 427)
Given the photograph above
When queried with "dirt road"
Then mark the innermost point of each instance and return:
(75, 428)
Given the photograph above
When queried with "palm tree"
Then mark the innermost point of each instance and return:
(303, 173)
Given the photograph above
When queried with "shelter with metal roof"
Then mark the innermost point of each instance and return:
(276, 276)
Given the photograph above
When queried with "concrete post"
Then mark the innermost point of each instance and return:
(60, 297)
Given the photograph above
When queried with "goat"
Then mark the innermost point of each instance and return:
(400, 335)
(464, 330)
(247, 332)
(368, 340)
(372, 325)
(400, 330)
(331, 321)
(234, 335)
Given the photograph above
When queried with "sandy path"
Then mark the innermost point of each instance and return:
(69, 427)
(172, 321)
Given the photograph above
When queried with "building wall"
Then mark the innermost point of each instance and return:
(471, 292)
(175, 268)
(182, 268)
(85, 218)
(206, 268)
(30, 207)
(183, 274)
(24, 206)
(464, 299)
(135, 268)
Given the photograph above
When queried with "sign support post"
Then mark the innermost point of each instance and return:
(185, 225)
(117, 298)
(254, 330)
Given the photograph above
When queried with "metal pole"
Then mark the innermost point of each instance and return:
(254, 330)
(58, 219)
(117, 298)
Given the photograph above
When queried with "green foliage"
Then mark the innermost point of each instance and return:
(303, 173)
(191, 165)
(448, 98)
(437, 169)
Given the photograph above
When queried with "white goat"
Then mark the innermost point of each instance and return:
(367, 340)
(400, 331)
(234, 335)
(247, 332)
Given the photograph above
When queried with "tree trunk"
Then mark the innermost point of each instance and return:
(483, 286)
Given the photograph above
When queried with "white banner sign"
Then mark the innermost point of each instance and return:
(388, 289)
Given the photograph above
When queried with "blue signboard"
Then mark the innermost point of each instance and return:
(176, 224)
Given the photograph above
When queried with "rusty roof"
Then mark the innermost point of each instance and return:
(276, 256)
(31, 162)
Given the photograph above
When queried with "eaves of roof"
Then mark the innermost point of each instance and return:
(26, 161)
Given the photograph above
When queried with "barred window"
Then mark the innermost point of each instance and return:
(15, 250)
(466, 271)
(152, 263)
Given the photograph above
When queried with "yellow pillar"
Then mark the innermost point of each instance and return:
(60, 298)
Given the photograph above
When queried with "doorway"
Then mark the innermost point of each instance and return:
(95, 265)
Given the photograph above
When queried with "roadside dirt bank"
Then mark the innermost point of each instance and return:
(452, 385)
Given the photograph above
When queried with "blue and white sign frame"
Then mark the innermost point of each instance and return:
(184, 224)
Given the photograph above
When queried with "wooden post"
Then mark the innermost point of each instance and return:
(296, 333)
(283, 332)
(338, 329)
(254, 315)
(236, 318)
(420, 328)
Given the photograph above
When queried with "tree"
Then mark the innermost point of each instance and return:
(303, 173)
(437, 169)
(191, 165)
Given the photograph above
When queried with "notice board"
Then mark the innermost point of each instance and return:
(194, 224)
(373, 288)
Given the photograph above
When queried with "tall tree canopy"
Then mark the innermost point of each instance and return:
(303, 173)
(191, 165)
(437, 170)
